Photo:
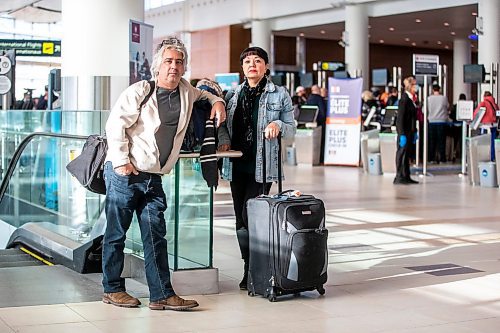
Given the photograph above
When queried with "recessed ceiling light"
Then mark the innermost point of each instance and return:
(407, 39)
(369, 36)
(446, 47)
(369, 26)
(391, 29)
(446, 24)
(381, 41)
(418, 20)
(471, 45)
(440, 42)
(322, 32)
(301, 34)
(474, 14)
(453, 33)
(414, 44)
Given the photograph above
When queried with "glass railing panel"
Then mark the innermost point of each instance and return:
(41, 190)
(192, 211)
(15, 125)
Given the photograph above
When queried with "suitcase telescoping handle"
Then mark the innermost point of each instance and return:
(264, 178)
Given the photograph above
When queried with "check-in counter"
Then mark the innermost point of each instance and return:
(478, 150)
(388, 147)
(308, 145)
(370, 144)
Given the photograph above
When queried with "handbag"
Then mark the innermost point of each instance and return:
(88, 167)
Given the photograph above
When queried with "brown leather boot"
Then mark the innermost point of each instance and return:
(122, 299)
(173, 303)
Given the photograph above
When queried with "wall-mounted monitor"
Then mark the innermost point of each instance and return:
(379, 77)
(474, 73)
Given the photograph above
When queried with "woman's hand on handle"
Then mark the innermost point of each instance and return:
(272, 131)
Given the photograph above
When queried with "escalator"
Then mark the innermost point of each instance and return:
(57, 221)
(50, 227)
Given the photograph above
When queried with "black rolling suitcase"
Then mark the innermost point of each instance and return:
(288, 243)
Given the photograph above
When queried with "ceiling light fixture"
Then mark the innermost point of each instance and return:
(418, 20)
(439, 42)
(407, 39)
(446, 47)
(474, 14)
(381, 41)
(322, 32)
(301, 34)
(453, 33)
(413, 44)
(391, 29)
(446, 24)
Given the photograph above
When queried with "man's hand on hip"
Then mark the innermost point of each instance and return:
(126, 169)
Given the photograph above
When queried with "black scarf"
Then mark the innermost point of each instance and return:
(249, 96)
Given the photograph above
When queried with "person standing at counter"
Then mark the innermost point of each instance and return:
(255, 107)
(407, 132)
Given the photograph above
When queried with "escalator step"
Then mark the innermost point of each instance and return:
(17, 258)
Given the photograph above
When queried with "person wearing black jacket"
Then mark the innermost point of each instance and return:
(407, 133)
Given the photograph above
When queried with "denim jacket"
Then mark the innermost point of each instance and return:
(275, 105)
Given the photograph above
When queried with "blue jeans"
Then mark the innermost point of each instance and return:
(144, 195)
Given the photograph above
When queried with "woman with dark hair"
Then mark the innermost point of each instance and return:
(255, 107)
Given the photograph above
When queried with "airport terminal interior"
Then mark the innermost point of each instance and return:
(400, 257)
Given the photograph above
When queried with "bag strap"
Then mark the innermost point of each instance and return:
(151, 90)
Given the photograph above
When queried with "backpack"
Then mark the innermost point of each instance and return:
(88, 167)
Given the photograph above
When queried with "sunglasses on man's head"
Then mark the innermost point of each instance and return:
(172, 41)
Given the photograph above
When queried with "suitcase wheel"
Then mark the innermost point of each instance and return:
(272, 298)
(321, 290)
(251, 293)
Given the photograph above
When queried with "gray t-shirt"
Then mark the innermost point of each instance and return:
(438, 108)
(169, 110)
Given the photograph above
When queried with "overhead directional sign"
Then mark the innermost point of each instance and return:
(32, 47)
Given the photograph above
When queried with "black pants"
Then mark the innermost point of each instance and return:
(403, 158)
(244, 187)
(437, 142)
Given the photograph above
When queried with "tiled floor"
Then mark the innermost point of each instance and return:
(407, 258)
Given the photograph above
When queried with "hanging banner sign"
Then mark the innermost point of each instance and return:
(343, 122)
(32, 47)
(140, 51)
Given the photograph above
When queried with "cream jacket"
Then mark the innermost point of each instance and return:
(131, 132)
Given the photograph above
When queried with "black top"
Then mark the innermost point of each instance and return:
(245, 163)
(169, 110)
(407, 116)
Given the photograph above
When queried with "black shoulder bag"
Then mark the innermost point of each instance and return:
(88, 167)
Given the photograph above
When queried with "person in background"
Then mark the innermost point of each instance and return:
(392, 99)
(300, 97)
(369, 102)
(407, 133)
(438, 118)
(315, 98)
(255, 107)
(489, 120)
(144, 144)
(43, 100)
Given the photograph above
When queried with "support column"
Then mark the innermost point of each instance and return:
(356, 40)
(461, 57)
(261, 34)
(489, 41)
(95, 51)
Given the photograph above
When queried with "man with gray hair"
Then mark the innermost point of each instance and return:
(144, 139)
